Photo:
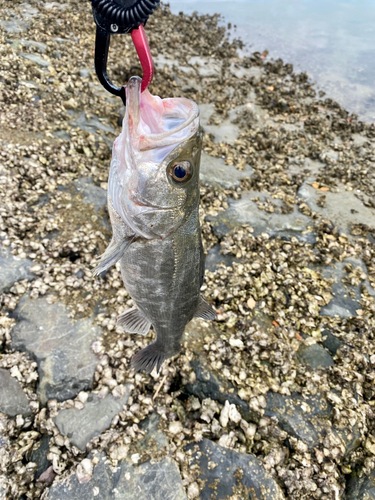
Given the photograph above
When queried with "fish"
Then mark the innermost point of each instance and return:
(153, 204)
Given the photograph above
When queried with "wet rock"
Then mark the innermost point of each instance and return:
(351, 438)
(60, 346)
(303, 418)
(156, 481)
(361, 488)
(91, 125)
(205, 66)
(343, 208)
(28, 11)
(82, 425)
(92, 193)
(226, 131)
(214, 172)
(84, 73)
(210, 385)
(13, 269)
(161, 61)
(343, 303)
(39, 456)
(14, 25)
(96, 196)
(41, 47)
(331, 342)
(246, 73)
(154, 439)
(34, 58)
(245, 211)
(315, 356)
(61, 134)
(214, 258)
(13, 401)
(235, 475)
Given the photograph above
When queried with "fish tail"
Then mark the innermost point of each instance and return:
(152, 355)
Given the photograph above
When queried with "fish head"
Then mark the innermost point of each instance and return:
(157, 161)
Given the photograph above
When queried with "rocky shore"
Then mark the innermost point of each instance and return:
(274, 400)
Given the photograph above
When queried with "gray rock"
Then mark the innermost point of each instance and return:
(245, 211)
(96, 196)
(205, 66)
(30, 84)
(210, 385)
(214, 172)
(13, 401)
(154, 438)
(234, 473)
(83, 425)
(342, 303)
(342, 208)
(331, 342)
(156, 481)
(161, 61)
(246, 73)
(39, 456)
(13, 269)
(36, 45)
(61, 347)
(61, 134)
(91, 125)
(84, 73)
(225, 132)
(14, 25)
(351, 437)
(92, 194)
(34, 58)
(303, 418)
(361, 488)
(28, 11)
(315, 356)
(214, 258)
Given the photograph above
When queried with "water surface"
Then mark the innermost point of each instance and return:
(332, 40)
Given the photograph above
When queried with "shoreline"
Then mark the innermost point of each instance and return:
(280, 388)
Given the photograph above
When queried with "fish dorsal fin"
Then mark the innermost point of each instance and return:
(133, 321)
(113, 254)
(205, 310)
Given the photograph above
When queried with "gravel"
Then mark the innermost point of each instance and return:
(292, 246)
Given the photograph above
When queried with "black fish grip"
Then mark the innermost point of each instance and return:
(118, 17)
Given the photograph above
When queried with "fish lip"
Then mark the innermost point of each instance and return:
(144, 203)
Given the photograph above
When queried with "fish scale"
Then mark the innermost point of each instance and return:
(153, 202)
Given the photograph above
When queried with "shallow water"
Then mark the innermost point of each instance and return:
(332, 40)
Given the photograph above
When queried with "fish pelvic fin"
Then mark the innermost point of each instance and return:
(133, 321)
(113, 254)
(205, 310)
(150, 356)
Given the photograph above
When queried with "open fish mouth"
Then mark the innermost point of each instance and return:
(158, 123)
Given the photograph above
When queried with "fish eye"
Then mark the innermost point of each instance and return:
(181, 171)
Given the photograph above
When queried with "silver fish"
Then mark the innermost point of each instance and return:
(153, 202)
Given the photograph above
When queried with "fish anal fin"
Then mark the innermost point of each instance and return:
(133, 321)
(205, 310)
(113, 254)
(147, 358)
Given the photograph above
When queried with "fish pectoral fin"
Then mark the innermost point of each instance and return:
(133, 321)
(205, 310)
(113, 254)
